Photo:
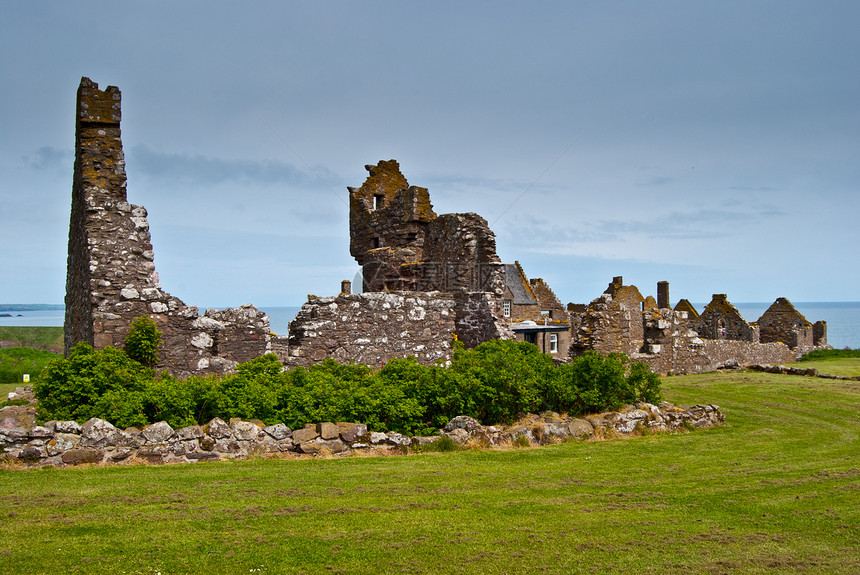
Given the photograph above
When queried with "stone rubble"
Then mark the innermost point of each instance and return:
(63, 443)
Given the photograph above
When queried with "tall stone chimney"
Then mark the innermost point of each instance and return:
(663, 295)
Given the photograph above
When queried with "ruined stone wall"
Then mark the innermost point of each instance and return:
(687, 353)
(402, 245)
(819, 333)
(721, 320)
(669, 345)
(547, 299)
(479, 319)
(111, 277)
(373, 328)
(632, 300)
(607, 327)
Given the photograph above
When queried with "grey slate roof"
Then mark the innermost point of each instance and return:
(517, 284)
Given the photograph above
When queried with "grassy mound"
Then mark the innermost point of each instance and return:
(16, 361)
(39, 337)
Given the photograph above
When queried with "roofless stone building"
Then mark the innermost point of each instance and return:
(427, 279)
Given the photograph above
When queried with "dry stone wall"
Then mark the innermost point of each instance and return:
(96, 441)
(111, 276)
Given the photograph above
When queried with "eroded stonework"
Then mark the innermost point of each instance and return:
(682, 341)
(111, 277)
(402, 245)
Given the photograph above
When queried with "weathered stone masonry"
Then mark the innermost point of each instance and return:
(426, 279)
(111, 276)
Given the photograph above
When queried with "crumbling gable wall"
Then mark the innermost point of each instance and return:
(685, 305)
(111, 276)
(632, 299)
(782, 322)
(612, 323)
(721, 320)
(548, 301)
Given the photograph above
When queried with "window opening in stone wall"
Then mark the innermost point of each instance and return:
(506, 306)
(530, 337)
(553, 343)
(375, 243)
(378, 201)
(721, 328)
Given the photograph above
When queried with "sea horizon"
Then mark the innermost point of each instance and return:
(843, 318)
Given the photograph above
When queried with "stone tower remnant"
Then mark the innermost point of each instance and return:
(426, 278)
(111, 276)
(402, 245)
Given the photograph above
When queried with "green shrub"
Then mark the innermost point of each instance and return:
(88, 382)
(496, 382)
(143, 340)
(593, 382)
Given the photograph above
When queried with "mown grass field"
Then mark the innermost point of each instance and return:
(836, 366)
(776, 490)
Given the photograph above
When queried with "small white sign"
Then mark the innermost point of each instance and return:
(26, 378)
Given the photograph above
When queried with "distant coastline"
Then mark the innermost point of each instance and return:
(31, 307)
(843, 318)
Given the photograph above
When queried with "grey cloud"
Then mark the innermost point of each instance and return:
(205, 170)
(677, 225)
(48, 158)
(656, 181)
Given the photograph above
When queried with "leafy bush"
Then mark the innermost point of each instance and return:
(496, 382)
(88, 382)
(143, 340)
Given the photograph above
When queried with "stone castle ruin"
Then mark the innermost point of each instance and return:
(427, 279)
(111, 277)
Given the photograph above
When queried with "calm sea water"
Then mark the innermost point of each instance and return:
(843, 318)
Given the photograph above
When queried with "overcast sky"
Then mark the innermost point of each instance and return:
(715, 145)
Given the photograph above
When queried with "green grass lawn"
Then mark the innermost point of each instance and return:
(836, 366)
(775, 490)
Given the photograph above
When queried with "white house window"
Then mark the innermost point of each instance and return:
(553, 343)
(506, 306)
